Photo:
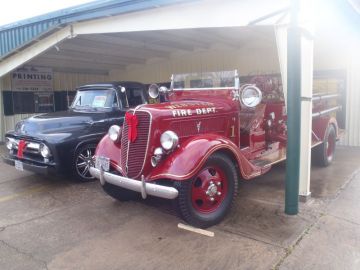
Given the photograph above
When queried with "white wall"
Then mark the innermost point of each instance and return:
(245, 60)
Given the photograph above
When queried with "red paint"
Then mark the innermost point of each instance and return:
(207, 121)
(21, 148)
(132, 122)
(210, 183)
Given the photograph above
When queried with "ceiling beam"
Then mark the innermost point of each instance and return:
(107, 58)
(124, 50)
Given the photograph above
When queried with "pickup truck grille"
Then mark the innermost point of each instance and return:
(133, 154)
(31, 150)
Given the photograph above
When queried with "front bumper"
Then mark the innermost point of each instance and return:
(135, 185)
(28, 166)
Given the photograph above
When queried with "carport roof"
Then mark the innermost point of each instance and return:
(16, 35)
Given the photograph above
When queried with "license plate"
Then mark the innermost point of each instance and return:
(19, 165)
(102, 162)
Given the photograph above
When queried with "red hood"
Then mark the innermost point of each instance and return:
(190, 108)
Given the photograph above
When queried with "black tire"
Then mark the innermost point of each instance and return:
(83, 159)
(323, 154)
(185, 205)
(119, 193)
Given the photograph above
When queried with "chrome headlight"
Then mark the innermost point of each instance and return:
(114, 133)
(251, 96)
(9, 143)
(169, 140)
(44, 151)
(158, 153)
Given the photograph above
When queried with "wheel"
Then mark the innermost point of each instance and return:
(205, 199)
(324, 153)
(119, 193)
(83, 160)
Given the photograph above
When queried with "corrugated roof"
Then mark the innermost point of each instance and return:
(16, 35)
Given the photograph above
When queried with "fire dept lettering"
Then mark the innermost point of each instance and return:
(197, 111)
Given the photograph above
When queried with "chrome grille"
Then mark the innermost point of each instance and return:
(133, 154)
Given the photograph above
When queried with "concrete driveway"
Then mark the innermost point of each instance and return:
(54, 223)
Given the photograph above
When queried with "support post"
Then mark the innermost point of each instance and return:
(293, 113)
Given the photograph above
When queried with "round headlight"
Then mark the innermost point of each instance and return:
(9, 144)
(169, 140)
(114, 133)
(44, 151)
(251, 96)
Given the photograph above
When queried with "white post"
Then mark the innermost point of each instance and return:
(306, 115)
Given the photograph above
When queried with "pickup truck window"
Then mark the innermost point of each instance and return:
(95, 99)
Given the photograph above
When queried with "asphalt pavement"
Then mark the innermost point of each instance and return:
(49, 222)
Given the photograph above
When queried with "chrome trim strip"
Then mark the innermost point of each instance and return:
(135, 185)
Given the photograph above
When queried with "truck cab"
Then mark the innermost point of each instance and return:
(208, 131)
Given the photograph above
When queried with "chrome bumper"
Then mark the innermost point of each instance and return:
(135, 185)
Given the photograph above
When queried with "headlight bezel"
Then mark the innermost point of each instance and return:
(169, 140)
(114, 133)
(246, 100)
(9, 143)
(44, 151)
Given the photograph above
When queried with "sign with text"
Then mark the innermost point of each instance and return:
(32, 79)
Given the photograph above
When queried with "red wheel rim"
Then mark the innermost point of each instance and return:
(330, 145)
(209, 189)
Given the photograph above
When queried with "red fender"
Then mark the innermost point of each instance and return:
(108, 148)
(320, 125)
(187, 160)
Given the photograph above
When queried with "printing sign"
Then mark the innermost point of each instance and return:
(32, 79)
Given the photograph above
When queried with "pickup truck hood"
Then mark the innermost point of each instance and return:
(59, 122)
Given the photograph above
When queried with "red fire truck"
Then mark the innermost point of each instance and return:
(207, 132)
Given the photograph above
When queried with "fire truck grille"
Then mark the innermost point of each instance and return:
(133, 154)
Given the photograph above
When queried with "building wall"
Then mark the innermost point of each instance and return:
(62, 81)
(246, 60)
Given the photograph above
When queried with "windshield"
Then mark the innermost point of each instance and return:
(95, 99)
(204, 80)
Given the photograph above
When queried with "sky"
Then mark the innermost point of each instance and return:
(15, 10)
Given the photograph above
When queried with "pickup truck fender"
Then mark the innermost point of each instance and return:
(185, 161)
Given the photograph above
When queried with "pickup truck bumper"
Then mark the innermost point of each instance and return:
(135, 185)
(28, 166)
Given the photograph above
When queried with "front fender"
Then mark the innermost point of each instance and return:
(111, 150)
(188, 159)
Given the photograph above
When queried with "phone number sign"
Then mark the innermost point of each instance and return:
(32, 79)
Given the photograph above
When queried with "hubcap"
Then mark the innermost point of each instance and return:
(209, 189)
(84, 161)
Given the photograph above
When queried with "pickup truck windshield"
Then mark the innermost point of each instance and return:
(204, 80)
(95, 99)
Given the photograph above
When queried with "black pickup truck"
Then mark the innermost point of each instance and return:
(65, 141)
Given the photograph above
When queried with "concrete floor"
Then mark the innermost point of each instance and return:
(53, 223)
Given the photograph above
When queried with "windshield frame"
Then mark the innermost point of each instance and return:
(236, 85)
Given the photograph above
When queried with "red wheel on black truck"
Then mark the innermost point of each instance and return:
(324, 153)
(205, 199)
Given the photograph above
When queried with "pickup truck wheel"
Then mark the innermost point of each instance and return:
(83, 160)
(324, 153)
(205, 199)
(119, 193)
